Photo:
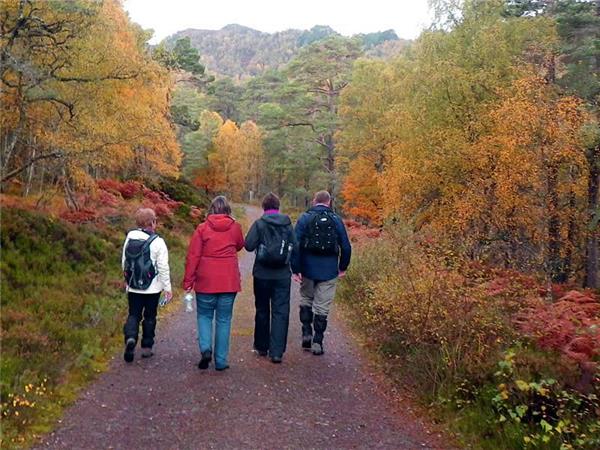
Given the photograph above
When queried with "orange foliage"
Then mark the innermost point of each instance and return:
(236, 165)
(100, 102)
(361, 192)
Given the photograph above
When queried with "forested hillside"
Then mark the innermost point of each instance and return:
(240, 52)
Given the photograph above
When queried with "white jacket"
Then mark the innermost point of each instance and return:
(159, 255)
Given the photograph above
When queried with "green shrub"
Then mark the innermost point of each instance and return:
(181, 190)
(61, 311)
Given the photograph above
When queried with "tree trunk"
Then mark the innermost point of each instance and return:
(331, 100)
(591, 253)
(554, 261)
(30, 172)
(572, 237)
(591, 249)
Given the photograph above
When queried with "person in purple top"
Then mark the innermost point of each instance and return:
(272, 237)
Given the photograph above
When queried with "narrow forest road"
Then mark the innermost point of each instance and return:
(166, 402)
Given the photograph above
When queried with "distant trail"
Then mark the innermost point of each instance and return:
(327, 402)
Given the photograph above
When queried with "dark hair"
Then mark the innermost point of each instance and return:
(322, 197)
(270, 201)
(219, 205)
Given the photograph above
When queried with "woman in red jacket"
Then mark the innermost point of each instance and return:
(211, 269)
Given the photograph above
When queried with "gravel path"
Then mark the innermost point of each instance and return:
(327, 402)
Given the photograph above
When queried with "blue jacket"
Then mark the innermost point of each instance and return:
(320, 267)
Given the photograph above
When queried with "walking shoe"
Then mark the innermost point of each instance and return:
(276, 359)
(306, 342)
(261, 352)
(129, 350)
(317, 349)
(220, 369)
(205, 360)
(147, 352)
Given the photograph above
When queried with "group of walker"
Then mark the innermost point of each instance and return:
(315, 253)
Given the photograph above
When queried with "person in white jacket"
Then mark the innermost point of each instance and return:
(144, 302)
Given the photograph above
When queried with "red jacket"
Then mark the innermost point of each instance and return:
(211, 265)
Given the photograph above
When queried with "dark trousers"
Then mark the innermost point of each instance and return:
(272, 301)
(141, 305)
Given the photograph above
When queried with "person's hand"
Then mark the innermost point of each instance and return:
(297, 277)
(341, 273)
(168, 296)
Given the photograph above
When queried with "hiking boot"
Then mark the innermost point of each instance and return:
(129, 350)
(317, 349)
(320, 326)
(306, 318)
(205, 360)
(147, 353)
(306, 342)
(276, 359)
(220, 369)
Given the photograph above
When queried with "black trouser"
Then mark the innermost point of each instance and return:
(139, 304)
(272, 301)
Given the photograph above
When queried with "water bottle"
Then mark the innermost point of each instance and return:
(163, 301)
(188, 298)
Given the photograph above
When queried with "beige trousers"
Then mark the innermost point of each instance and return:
(318, 295)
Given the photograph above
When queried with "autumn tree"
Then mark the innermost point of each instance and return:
(366, 104)
(81, 95)
(237, 160)
(526, 193)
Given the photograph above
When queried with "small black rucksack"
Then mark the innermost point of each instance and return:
(321, 236)
(139, 270)
(275, 248)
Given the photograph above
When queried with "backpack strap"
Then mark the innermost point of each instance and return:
(149, 240)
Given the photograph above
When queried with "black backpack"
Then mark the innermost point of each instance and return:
(139, 269)
(275, 248)
(321, 237)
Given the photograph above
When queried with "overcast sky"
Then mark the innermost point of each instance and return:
(165, 17)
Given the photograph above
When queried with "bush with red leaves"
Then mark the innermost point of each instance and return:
(506, 282)
(81, 216)
(130, 189)
(110, 185)
(162, 204)
(127, 189)
(107, 198)
(196, 213)
(570, 325)
(358, 232)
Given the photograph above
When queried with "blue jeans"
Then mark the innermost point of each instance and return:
(207, 306)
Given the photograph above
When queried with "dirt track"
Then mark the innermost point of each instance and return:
(325, 402)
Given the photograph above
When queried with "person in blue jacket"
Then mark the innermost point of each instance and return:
(323, 257)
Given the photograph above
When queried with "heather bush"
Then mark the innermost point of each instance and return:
(431, 315)
(60, 313)
(443, 322)
(180, 190)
